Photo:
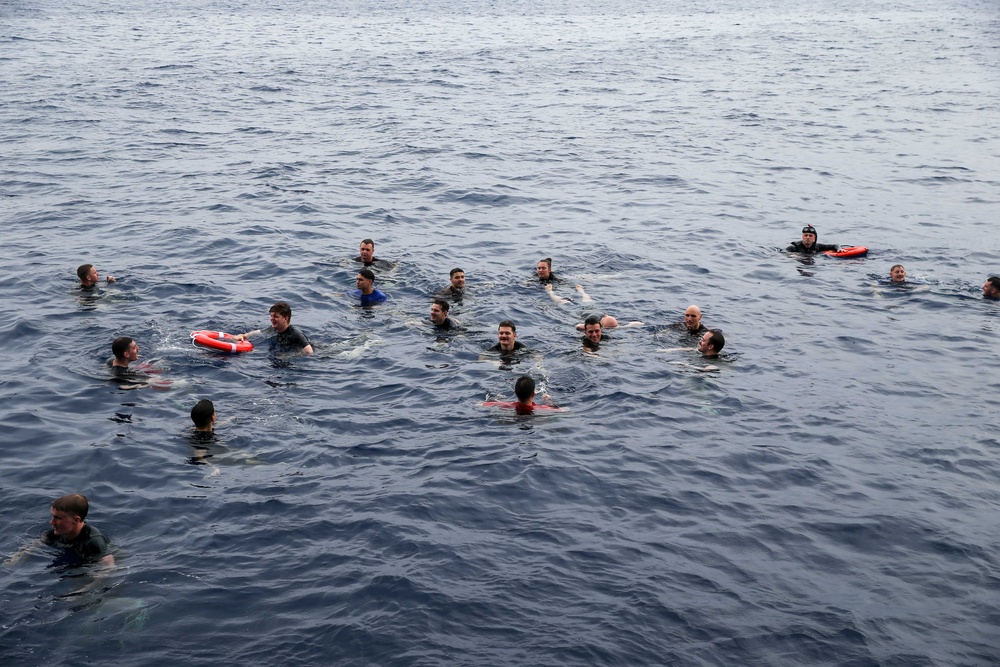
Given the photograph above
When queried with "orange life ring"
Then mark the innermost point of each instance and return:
(849, 251)
(219, 340)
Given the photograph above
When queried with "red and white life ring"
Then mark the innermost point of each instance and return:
(219, 340)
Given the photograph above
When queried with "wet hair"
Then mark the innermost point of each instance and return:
(995, 281)
(368, 242)
(120, 345)
(201, 413)
(717, 340)
(454, 271)
(445, 306)
(896, 266)
(283, 309)
(809, 229)
(593, 319)
(368, 274)
(83, 270)
(524, 388)
(507, 323)
(75, 504)
(547, 260)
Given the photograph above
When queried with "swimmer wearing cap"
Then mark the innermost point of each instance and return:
(808, 245)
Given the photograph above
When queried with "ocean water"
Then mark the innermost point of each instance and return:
(828, 496)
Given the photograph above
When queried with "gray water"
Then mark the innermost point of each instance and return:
(828, 496)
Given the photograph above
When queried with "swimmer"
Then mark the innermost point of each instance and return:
(525, 404)
(710, 344)
(544, 271)
(366, 255)
(507, 342)
(125, 350)
(692, 321)
(593, 333)
(808, 245)
(456, 288)
(281, 324)
(83, 544)
(88, 275)
(991, 288)
(203, 416)
(439, 316)
(366, 292)
(897, 274)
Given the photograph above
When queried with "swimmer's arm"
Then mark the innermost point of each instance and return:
(552, 295)
(244, 336)
(108, 562)
(677, 349)
(308, 349)
(584, 297)
(634, 323)
(138, 385)
(28, 548)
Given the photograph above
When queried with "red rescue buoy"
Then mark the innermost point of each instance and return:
(219, 340)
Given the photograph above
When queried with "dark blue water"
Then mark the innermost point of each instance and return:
(830, 495)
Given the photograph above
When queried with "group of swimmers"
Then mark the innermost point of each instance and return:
(82, 543)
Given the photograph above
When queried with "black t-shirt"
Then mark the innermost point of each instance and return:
(291, 338)
(90, 546)
(518, 345)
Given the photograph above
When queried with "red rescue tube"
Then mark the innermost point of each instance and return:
(219, 340)
(849, 251)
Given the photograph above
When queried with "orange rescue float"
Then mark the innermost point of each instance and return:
(219, 340)
(849, 251)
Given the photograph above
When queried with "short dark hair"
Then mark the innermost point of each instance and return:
(995, 281)
(547, 260)
(524, 388)
(717, 340)
(75, 504)
(593, 319)
(283, 309)
(120, 345)
(507, 323)
(445, 306)
(369, 242)
(896, 266)
(83, 270)
(454, 271)
(201, 413)
(368, 274)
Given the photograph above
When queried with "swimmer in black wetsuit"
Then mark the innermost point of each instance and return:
(456, 288)
(82, 543)
(991, 288)
(808, 245)
(439, 316)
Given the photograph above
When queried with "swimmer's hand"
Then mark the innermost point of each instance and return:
(112, 279)
(244, 336)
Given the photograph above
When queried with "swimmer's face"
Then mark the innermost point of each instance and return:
(506, 336)
(808, 239)
(593, 333)
(897, 274)
(93, 277)
(132, 353)
(705, 344)
(364, 284)
(279, 322)
(692, 318)
(990, 291)
(543, 270)
(367, 252)
(458, 280)
(438, 316)
(64, 523)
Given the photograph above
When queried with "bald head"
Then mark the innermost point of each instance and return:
(692, 318)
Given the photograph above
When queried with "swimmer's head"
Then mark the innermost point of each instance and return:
(125, 349)
(711, 343)
(203, 413)
(544, 268)
(439, 311)
(88, 275)
(457, 277)
(592, 329)
(75, 504)
(367, 251)
(897, 273)
(808, 236)
(692, 318)
(524, 388)
(991, 288)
